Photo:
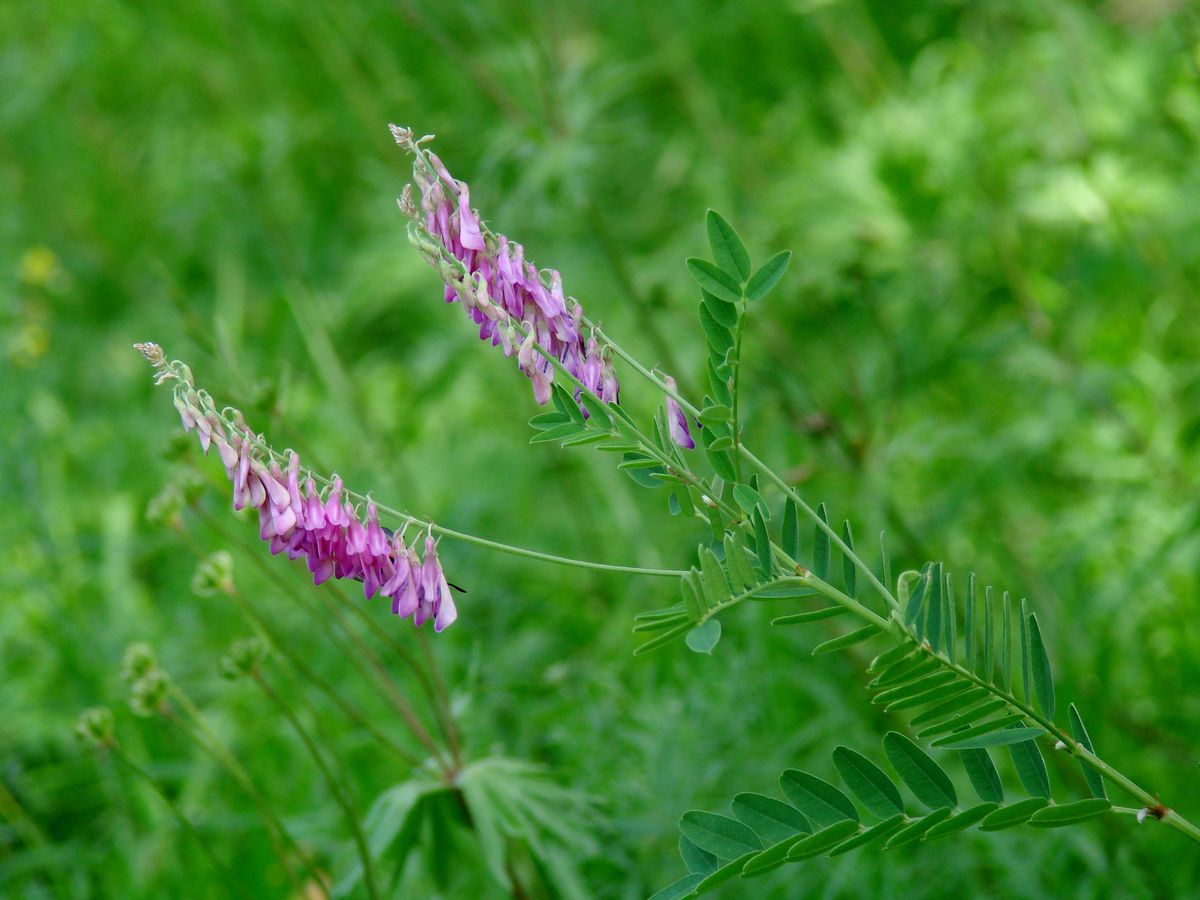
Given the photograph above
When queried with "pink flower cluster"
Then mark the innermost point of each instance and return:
(512, 288)
(326, 532)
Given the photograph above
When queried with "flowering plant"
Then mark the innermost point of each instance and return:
(965, 664)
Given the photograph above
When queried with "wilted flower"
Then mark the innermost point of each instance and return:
(323, 527)
(677, 422)
(499, 288)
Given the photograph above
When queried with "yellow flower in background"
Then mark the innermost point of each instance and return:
(40, 267)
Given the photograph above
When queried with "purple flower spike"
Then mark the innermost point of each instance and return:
(326, 531)
(677, 422)
(498, 286)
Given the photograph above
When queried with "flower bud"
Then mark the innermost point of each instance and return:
(95, 727)
(148, 695)
(243, 658)
(137, 661)
(214, 575)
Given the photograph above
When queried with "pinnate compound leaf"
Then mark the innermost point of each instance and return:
(924, 777)
(727, 247)
(1095, 781)
(717, 336)
(1069, 813)
(661, 640)
(916, 600)
(715, 280)
(849, 572)
(869, 783)
(723, 837)
(813, 615)
(982, 728)
(1009, 816)
(1043, 678)
(820, 801)
(771, 819)
(768, 275)
(724, 312)
(749, 499)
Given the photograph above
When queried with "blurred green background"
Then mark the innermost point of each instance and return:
(986, 346)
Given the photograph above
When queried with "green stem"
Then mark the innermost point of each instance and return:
(231, 880)
(211, 744)
(335, 787)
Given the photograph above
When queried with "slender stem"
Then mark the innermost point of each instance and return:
(445, 714)
(335, 787)
(203, 735)
(126, 760)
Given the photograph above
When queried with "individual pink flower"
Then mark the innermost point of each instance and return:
(677, 422)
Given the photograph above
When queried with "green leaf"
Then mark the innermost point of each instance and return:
(762, 542)
(719, 382)
(632, 467)
(946, 691)
(1095, 781)
(715, 415)
(665, 638)
(704, 637)
(768, 275)
(1026, 656)
(660, 624)
(821, 546)
(982, 772)
(913, 688)
(970, 644)
(949, 707)
(731, 869)
(950, 620)
(715, 280)
(916, 600)
(555, 434)
(915, 830)
(963, 719)
(771, 858)
(1003, 738)
(565, 403)
(669, 612)
(723, 837)
(718, 459)
(695, 859)
(727, 248)
(890, 658)
(820, 801)
(869, 783)
(712, 578)
(597, 410)
(772, 820)
(817, 843)
(906, 670)
(933, 615)
(587, 437)
(981, 728)
(542, 421)
(1006, 672)
(961, 822)
(829, 612)
(750, 500)
(883, 829)
(1069, 813)
(693, 602)
(717, 336)
(791, 529)
(849, 572)
(1010, 816)
(1043, 679)
(988, 657)
(924, 777)
(737, 564)
(683, 887)
(723, 312)
(1031, 768)
(847, 640)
